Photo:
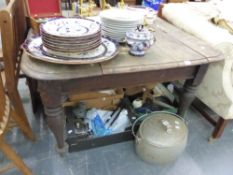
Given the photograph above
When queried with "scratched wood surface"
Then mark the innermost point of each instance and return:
(173, 48)
(49, 71)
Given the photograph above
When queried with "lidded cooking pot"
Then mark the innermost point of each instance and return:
(139, 40)
(161, 138)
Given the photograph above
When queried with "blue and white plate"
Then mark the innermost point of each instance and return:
(106, 51)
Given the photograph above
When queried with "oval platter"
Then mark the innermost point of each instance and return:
(106, 51)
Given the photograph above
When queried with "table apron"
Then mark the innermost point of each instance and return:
(125, 80)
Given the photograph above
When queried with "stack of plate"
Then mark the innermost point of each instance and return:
(71, 41)
(71, 35)
(116, 22)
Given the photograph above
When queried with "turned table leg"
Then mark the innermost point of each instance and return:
(189, 89)
(51, 96)
(35, 96)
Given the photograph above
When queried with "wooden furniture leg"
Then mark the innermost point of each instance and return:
(1, 66)
(51, 97)
(189, 90)
(23, 125)
(207, 113)
(20, 117)
(7, 168)
(12, 155)
(219, 128)
(35, 96)
(69, 4)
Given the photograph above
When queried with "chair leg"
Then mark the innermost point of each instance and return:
(6, 168)
(70, 4)
(12, 155)
(19, 115)
(219, 128)
(23, 125)
(1, 66)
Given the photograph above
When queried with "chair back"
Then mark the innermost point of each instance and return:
(13, 33)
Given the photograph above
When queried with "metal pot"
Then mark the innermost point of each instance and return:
(161, 137)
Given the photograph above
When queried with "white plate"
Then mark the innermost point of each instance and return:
(121, 15)
(107, 21)
(119, 27)
(70, 27)
(114, 32)
(116, 38)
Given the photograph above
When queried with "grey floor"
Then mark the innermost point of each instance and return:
(199, 158)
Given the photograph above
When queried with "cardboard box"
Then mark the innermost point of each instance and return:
(100, 99)
(41, 9)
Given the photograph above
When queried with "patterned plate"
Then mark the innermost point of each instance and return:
(72, 49)
(70, 39)
(70, 27)
(35, 49)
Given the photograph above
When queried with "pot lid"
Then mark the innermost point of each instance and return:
(163, 129)
(140, 33)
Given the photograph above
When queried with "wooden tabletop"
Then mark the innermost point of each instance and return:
(173, 48)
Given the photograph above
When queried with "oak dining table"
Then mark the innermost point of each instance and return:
(176, 55)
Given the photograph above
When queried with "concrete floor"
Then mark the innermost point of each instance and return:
(199, 158)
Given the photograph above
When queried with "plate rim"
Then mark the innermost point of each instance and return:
(57, 18)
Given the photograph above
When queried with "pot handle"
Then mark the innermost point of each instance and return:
(134, 124)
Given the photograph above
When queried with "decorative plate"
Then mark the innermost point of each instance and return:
(70, 27)
(70, 39)
(106, 51)
(68, 49)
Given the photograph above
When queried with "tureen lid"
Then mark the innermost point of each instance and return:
(140, 33)
(163, 129)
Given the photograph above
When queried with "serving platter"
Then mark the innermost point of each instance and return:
(106, 51)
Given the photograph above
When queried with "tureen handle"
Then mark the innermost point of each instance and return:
(140, 27)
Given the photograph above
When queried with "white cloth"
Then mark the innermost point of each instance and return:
(216, 90)
(225, 8)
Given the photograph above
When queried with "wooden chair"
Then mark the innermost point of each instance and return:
(1, 55)
(13, 33)
(7, 117)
